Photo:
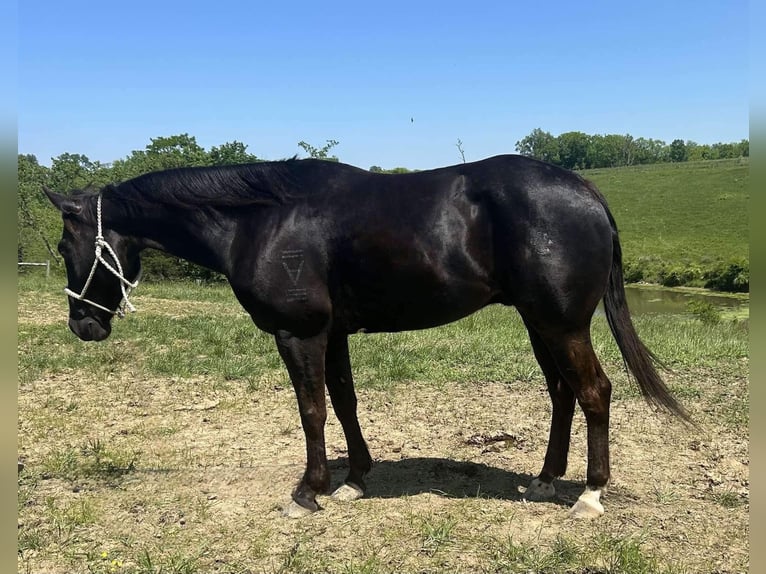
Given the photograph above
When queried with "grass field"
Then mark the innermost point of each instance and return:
(171, 446)
(686, 218)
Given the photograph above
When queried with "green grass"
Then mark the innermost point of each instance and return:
(436, 532)
(688, 217)
(93, 459)
(491, 345)
(727, 499)
(62, 523)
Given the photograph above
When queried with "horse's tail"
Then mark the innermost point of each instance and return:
(638, 359)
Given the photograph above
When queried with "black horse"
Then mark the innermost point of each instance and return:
(316, 250)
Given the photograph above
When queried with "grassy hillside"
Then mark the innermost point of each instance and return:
(680, 223)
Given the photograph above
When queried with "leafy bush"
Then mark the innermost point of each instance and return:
(731, 276)
(159, 266)
(678, 275)
(633, 272)
(704, 311)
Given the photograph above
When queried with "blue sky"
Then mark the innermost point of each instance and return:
(396, 83)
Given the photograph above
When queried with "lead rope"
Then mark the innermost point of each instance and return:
(125, 286)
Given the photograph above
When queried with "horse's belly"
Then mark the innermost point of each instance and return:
(405, 307)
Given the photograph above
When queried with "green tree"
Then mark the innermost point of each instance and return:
(165, 152)
(378, 169)
(539, 145)
(698, 152)
(693, 151)
(724, 150)
(605, 151)
(75, 171)
(176, 151)
(230, 153)
(650, 151)
(596, 156)
(628, 150)
(678, 151)
(743, 148)
(320, 153)
(37, 223)
(573, 149)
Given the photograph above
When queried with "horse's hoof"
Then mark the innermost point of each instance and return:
(348, 492)
(295, 510)
(539, 490)
(588, 505)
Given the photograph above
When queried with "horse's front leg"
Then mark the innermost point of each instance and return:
(305, 361)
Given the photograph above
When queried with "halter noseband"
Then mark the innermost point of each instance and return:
(125, 285)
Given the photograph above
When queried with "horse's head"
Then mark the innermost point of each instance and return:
(101, 265)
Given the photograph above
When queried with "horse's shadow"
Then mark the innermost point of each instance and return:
(449, 478)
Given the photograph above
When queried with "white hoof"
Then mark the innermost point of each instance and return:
(348, 492)
(539, 490)
(295, 510)
(588, 505)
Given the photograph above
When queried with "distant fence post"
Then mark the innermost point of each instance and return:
(47, 266)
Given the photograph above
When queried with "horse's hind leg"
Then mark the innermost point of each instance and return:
(578, 365)
(340, 384)
(563, 401)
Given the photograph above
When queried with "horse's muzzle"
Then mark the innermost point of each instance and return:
(89, 329)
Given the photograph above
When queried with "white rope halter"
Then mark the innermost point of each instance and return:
(125, 285)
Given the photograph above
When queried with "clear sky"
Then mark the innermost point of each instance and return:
(396, 83)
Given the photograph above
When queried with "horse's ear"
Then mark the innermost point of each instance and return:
(63, 203)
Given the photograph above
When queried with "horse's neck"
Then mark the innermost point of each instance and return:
(196, 235)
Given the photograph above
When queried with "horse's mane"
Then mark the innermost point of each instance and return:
(263, 183)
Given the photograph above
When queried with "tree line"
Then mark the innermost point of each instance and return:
(578, 150)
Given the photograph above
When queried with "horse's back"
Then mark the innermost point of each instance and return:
(535, 235)
(399, 252)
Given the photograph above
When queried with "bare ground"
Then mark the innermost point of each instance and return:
(130, 474)
(214, 463)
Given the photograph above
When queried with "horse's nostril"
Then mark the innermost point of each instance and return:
(88, 329)
(89, 324)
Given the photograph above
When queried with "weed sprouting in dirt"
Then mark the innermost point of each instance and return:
(436, 533)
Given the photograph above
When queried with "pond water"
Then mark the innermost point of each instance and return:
(653, 300)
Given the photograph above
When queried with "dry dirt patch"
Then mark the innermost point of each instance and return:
(214, 463)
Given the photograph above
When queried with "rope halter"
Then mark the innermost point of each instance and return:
(125, 285)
